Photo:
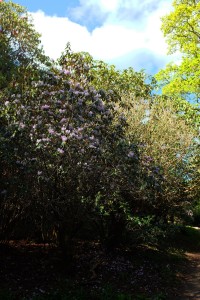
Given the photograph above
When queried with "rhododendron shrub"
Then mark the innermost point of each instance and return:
(106, 77)
(69, 161)
(72, 149)
(62, 141)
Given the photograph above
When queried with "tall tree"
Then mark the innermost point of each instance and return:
(20, 49)
(181, 29)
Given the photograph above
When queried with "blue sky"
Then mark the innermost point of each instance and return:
(122, 32)
(50, 7)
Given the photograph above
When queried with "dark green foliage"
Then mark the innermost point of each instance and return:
(196, 216)
(6, 295)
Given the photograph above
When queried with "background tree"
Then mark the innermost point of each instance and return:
(21, 61)
(182, 31)
(20, 50)
(164, 137)
(181, 82)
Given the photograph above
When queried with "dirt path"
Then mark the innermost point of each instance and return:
(191, 289)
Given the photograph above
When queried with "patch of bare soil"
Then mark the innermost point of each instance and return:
(191, 286)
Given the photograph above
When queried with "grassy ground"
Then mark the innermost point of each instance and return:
(37, 272)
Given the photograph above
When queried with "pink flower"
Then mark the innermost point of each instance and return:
(66, 72)
(64, 138)
(131, 154)
(63, 120)
(61, 151)
(90, 114)
(45, 107)
(62, 111)
(21, 125)
(86, 93)
(51, 131)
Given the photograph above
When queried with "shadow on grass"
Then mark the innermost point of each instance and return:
(38, 268)
(80, 294)
(185, 239)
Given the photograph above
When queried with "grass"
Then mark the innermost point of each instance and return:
(6, 295)
(186, 239)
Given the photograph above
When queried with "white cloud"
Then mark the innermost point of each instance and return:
(110, 5)
(117, 37)
(111, 41)
(94, 8)
(57, 31)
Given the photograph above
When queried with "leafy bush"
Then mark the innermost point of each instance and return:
(196, 214)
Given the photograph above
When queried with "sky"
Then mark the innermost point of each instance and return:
(125, 33)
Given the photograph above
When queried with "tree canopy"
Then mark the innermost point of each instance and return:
(181, 29)
(20, 48)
